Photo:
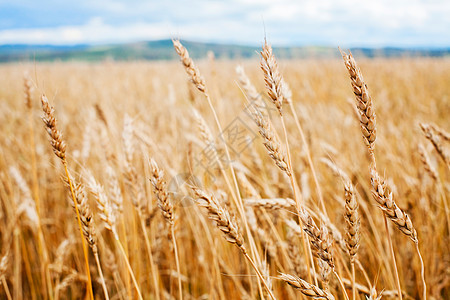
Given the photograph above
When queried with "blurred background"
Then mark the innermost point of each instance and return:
(124, 30)
(121, 97)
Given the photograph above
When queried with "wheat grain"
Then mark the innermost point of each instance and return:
(271, 142)
(192, 70)
(58, 145)
(306, 288)
(221, 217)
(159, 187)
(272, 76)
(272, 203)
(363, 102)
(352, 221)
(383, 195)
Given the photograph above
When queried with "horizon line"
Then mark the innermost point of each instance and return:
(231, 43)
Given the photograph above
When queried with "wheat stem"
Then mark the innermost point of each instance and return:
(269, 291)
(100, 272)
(152, 263)
(391, 249)
(308, 154)
(5, 286)
(299, 205)
(422, 272)
(35, 183)
(130, 270)
(177, 262)
(353, 280)
(341, 284)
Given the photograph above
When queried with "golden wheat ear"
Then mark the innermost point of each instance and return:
(364, 103)
(306, 288)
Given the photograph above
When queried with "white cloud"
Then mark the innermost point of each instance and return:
(347, 22)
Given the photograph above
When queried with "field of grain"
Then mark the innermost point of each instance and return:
(196, 191)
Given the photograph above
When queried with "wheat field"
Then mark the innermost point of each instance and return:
(271, 180)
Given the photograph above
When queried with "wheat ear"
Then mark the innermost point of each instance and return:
(231, 232)
(222, 218)
(436, 141)
(431, 170)
(353, 234)
(271, 141)
(364, 104)
(306, 288)
(59, 148)
(205, 131)
(272, 76)
(272, 203)
(56, 140)
(425, 159)
(250, 91)
(321, 240)
(160, 190)
(192, 70)
(383, 195)
(89, 230)
(441, 132)
(106, 212)
(159, 187)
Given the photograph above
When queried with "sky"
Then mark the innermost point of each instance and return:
(376, 23)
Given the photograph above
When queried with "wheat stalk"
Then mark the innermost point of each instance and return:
(26, 206)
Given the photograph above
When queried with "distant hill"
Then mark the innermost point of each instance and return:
(163, 50)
